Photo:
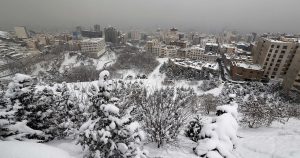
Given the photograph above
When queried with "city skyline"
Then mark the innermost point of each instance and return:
(197, 15)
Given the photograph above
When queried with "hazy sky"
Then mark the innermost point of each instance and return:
(200, 15)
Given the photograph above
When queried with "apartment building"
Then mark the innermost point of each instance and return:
(228, 48)
(292, 78)
(194, 53)
(275, 56)
(180, 43)
(21, 32)
(198, 53)
(168, 51)
(111, 34)
(211, 47)
(92, 45)
(153, 47)
(245, 71)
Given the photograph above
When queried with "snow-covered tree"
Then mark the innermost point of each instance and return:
(218, 138)
(110, 132)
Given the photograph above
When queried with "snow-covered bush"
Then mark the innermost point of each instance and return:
(69, 115)
(164, 112)
(260, 111)
(20, 92)
(208, 102)
(209, 84)
(41, 116)
(110, 132)
(194, 128)
(16, 109)
(218, 138)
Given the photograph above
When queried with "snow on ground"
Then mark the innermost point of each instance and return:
(68, 61)
(277, 141)
(68, 146)
(107, 59)
(216, 91)
(39, 68)
(181, 149)
(155, 78)
(18, 149)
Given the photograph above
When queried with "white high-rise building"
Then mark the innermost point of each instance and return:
(92, 45)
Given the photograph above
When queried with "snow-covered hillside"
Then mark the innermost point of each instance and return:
(278, 140)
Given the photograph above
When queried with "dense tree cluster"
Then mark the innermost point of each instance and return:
(260, 104)
(142, 62)
(177, 72)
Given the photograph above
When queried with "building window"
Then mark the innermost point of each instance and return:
(282, 52)
(276, 51)
(278, 46)
(281, 56)
(272, 46)
(284, 47)
(271, 50)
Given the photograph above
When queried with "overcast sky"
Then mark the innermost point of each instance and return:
(200, 15)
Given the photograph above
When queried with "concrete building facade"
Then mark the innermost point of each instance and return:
(93, 45)
(292, 78)
(21, 32)
(111, 34)
(211, 47)
(245, 71)
(275, 56)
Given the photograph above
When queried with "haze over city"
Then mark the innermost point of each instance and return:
(198, 15)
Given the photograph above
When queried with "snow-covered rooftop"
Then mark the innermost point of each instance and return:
(199, 65)
(212, 44)
(93, 40)
(248, 65)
